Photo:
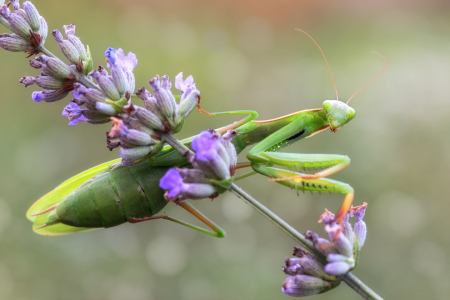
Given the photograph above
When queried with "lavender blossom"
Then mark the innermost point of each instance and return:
(211, 173)
(210, 154)
(74, 113)
(360, 226)
(180, 190)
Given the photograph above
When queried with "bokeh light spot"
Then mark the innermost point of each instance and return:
(240, 244)
(405, 215)
(166, 255)
(235, 210)
(255, 34)
(228, 69)
(197, 289)
(429, 259)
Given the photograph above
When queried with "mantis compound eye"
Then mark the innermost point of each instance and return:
(350, 113)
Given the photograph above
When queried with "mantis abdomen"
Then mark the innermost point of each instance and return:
(113, 198)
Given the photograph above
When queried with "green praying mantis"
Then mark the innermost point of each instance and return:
(111, 193)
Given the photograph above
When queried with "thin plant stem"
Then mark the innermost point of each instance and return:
(175, 143)
(350, 279)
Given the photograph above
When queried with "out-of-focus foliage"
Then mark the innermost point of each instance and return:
(243, 55)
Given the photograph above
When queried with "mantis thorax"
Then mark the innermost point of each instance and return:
(338, 113)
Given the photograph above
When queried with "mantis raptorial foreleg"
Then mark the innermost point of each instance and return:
(217, 231)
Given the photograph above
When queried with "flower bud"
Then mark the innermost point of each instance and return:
(118, 75)
(106, 83)
(4, 14)
(105, 108)
(27, 81)
(360, 226)
(137, 138)
(67, 48)
(54, 67)
(303, 285)
(33, 16)
(188, 101)
(49, 82)
(90, 94)
(34, 63)
(19, 25)
(149, 102)
(309, 264)
(76, 42)
(149, 119)
(165, 99)
(360, 232)
(337, 268)
(321, 244)
(133, 154)
(43, 32)
(48, 96)
(347, 228)
(95, 117)
(340, 241)
(13, 43)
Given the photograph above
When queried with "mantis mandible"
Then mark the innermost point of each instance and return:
(111, 193)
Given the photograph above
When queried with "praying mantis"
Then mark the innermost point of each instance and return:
(111, 194)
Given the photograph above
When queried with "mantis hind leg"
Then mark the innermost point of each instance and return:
(216, 230)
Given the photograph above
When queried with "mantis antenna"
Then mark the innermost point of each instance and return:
(337, 98)
(385, 65)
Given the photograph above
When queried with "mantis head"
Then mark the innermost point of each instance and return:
(338, 113)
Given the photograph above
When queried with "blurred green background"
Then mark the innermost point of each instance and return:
(243, 55)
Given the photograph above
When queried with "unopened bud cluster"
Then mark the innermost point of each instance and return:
(28, 27)
(99, 96)
(214, 165)
(308, 276)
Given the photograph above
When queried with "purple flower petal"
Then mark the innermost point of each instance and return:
(111, 55)
(181, 84)
(74, 113)
(37, 96)
(171, 180)
(206, 146)
(127, 63)
(77, 95)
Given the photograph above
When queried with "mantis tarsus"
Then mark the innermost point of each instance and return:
(111, 194)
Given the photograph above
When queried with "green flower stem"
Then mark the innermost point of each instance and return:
(349, 278)
(80, 77)
(175, 143)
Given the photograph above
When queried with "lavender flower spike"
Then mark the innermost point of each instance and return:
(74, 113)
